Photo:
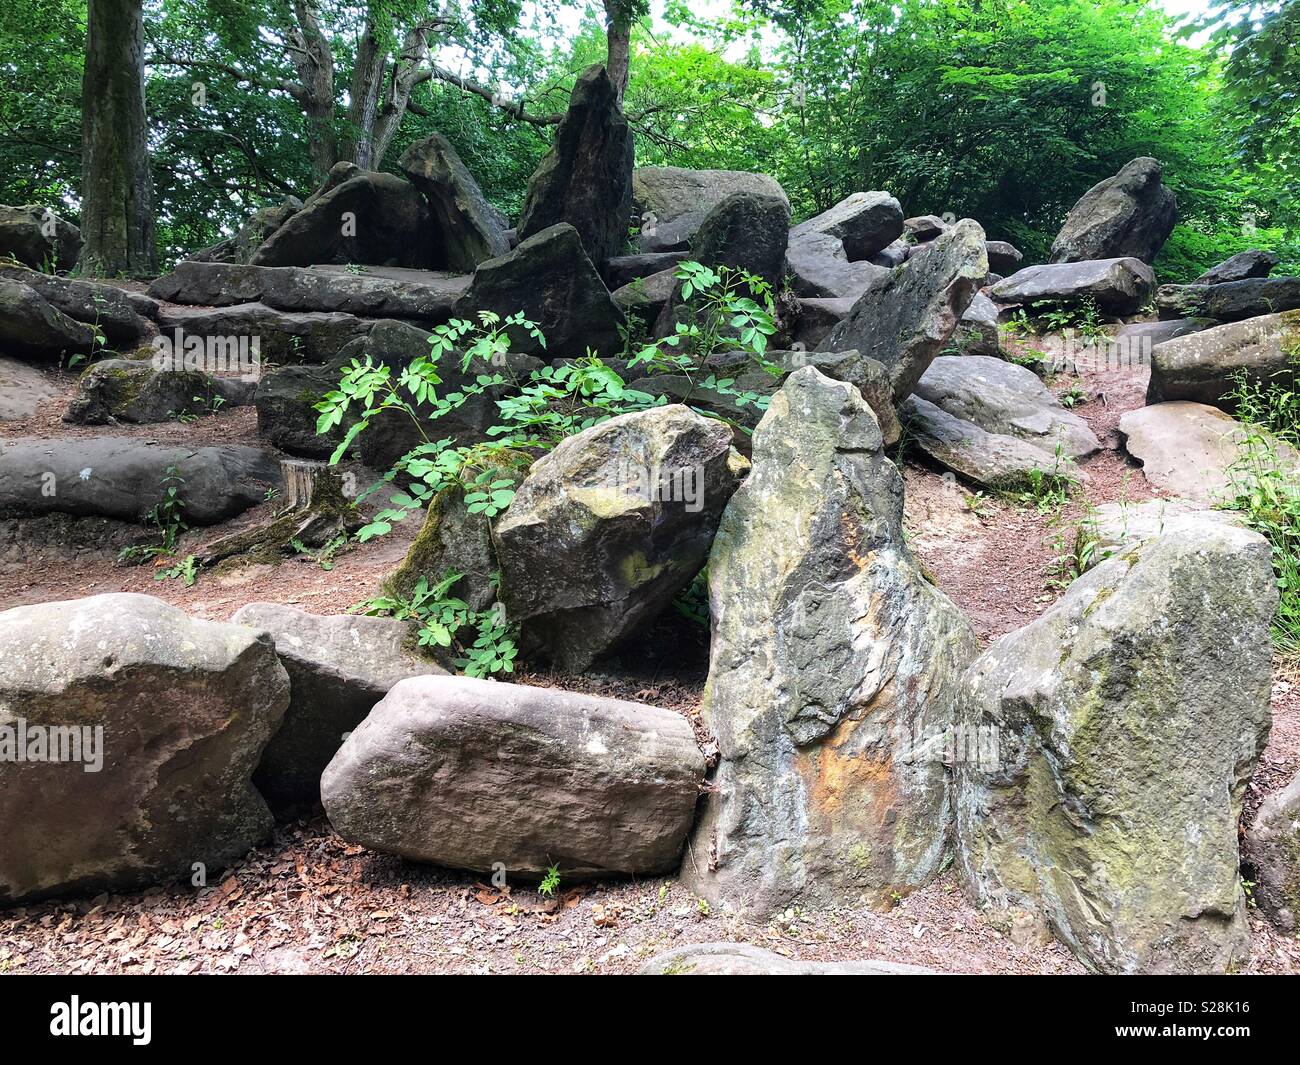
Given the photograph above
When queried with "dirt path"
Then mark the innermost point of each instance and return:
(309, 902)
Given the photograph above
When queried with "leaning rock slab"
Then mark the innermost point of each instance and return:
(339, 666)
(1132, 213)
(1201, 366)
(905, 322)
(997, 461)
(470, 773)
(744, 959)
(1001, 397)
(178, 709)
(864, 223)
(1244, 264)
(1190, 449)
(121, 477)
(833, 673)
(1127, 721)
(468, 230)
(257, 331)
(609, 526)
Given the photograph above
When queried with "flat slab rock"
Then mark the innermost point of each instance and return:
(23, 389)
(1116, 286)
(744, 959)
(1009, 400)
(373, 292)
(1116, 526)
(1188, 449)
(996, 461)
(468, 773)
(339, 666)
(121, 477)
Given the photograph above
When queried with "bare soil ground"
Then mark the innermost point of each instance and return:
(309, 902)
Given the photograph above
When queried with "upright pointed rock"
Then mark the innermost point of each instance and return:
(834, 673)
(586, 177)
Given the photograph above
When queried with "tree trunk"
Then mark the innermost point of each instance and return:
(313, 59)
(367, 78)
(618, 34)
(117, 220)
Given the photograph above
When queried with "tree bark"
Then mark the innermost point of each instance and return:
(313, 59)
(117, 222)
(619, 16)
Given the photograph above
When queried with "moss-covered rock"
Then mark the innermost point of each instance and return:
(1124, 725)
(452, 540)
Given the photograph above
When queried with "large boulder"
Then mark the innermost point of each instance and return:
(586, 177)
(1116, 286)
(136, 391)
(467, 229)
(1001, 397)
(1191, 449)
(820, 269)
(429, 299)
(106, 308)
(550, 278)
(671, 202)
(610, 526)
(32, 326)
(1130, 214)
(121, 477)
(744, 959)
(1004, 258)
(1113, 527)
(864, 223)
(923, 228)
(904, 322)
(339, 667)
(1127, 721)
(1271, 854)
(39, 238)
(476, 774)
(746, 231)
(1231, 300)
(366, 218)
(1244, 264)
(286, 401)
(818, 316)
(1202, 366)
(833, 673)
(169, 715)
